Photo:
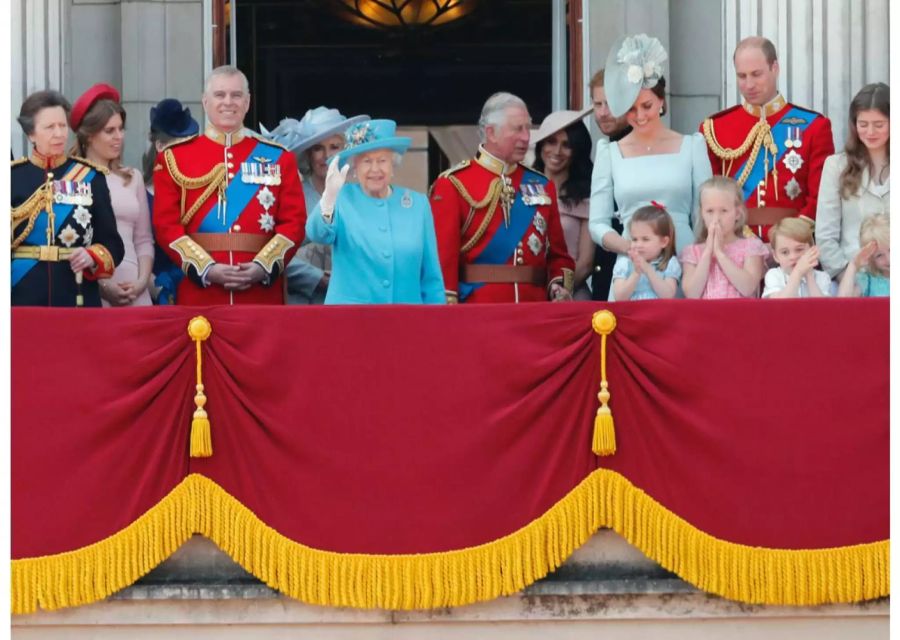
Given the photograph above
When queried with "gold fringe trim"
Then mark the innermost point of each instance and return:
(453, 578)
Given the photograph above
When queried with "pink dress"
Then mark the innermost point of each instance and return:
(572, 218)
(129, 203)
(718, 286)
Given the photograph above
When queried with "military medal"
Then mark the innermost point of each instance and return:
(68, 236)
(406, 200)
(540, 223)
(88, 236)
(266, 222)
(792, 189)
(266, 198)
(535, 244)
(82, 216)
(793, 161)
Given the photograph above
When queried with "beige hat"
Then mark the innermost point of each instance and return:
(557, 121)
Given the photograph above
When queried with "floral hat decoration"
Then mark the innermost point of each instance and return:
(369, 136)
(633, 63)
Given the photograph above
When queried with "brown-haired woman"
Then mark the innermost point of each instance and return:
(99, 124)
(855, 183)
(64, 238)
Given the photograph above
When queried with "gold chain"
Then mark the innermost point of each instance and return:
(488, 216)
(760, 134)
(213, 181)
(40, 200)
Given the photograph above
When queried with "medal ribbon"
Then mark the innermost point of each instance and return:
(239, 193)
(779, 132)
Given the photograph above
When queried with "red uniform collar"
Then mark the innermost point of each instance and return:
(46, 162)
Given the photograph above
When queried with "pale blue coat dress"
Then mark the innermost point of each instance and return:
(671, 179)
(384, 250)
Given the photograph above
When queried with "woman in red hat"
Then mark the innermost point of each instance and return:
(64, 238)
(98, 120)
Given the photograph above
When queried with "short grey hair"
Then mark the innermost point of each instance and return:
(226, 70)
(494, 111)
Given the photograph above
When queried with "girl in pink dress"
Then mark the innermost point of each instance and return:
(723, 263)
(99, 124)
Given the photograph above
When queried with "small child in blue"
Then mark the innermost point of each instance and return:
(650, 270)
(869, 273)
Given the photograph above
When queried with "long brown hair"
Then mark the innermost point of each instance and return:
(875, 96)
(94, 122)
(663, 226)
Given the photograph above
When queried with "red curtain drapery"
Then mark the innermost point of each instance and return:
(418, 430)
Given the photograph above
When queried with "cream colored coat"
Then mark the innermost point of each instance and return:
(838, 220)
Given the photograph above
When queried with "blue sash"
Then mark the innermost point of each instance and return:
(38, 236)
(502, 245)
(779, 132)
(238, 194)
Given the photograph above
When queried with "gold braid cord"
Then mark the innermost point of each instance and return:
(213, 181)
(490, 201)
(760, 134)
(40, 200)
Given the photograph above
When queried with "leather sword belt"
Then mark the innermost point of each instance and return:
(43, 253)
(508, 273)
(243, 242)
(763, 216)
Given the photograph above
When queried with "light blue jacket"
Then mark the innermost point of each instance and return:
(385, 250)
(303, 277)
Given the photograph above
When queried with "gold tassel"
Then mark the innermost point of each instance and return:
(604, 323)
(199, 330)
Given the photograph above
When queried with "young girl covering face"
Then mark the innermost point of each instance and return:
(649, 270)
(869, 273)
(723, 263)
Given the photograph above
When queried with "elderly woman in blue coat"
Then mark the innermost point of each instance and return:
(384, 246)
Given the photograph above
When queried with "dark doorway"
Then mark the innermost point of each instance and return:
(301, 54)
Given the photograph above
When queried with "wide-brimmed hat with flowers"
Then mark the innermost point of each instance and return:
(316, 125)
(372, 135)
(633, 63)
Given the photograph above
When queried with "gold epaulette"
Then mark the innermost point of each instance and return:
(457, 167)
(92, 165)
(18, 161)
(178, 141)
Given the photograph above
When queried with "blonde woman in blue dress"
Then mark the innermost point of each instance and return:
(652, 163)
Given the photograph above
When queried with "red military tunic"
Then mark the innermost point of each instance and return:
(791, 182)
(468, 206)
(196, 228)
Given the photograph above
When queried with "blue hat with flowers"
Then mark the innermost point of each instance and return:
(372, 135)
(633, 63)
(169, 116)
(316, 125)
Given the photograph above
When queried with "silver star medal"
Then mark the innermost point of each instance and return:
(792, 189)
(266, 221)
(793, 161)
(266, 198)
(406, 200)
(89, 236)
(535, 244)
(68, 236)
(82, 216)
(540, 223)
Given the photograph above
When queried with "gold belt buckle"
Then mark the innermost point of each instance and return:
(49, 254)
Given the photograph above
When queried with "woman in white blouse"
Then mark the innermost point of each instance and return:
(855, 183)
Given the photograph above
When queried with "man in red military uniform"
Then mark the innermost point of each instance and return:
(497, 222)
(228, 204)
(774, 149)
